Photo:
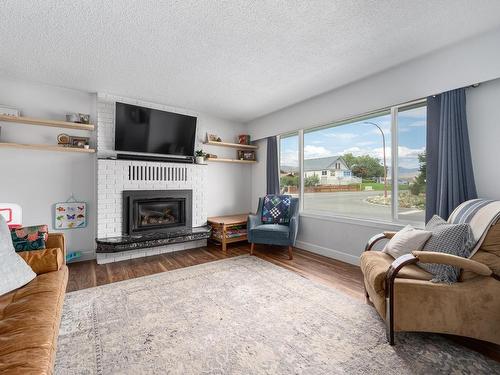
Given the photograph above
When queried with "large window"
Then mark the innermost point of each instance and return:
(412, 122)
(289, 164)
(370, 167)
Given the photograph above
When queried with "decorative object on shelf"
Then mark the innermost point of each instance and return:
(79, 142)
(246, 155)
(84, 118)
(210, 156)
(200, 157)
(213, 138)
(13, 214)
(9, 111)
(63, 139)
(78, 118)
(244, 139)
(73, 117)
(70, 214)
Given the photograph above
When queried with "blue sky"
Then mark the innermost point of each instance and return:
(363, 139)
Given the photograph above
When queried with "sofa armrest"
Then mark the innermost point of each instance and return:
(377, 238)
(253, 221)
(44, 260)
(57, 240)
(453, 260)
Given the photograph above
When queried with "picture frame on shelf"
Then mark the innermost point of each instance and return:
(244, 139)
(79, 142)
(246, 155)
(213, 138)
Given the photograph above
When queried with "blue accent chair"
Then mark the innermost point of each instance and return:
(273, 234)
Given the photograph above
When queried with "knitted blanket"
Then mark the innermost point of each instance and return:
(480, 214)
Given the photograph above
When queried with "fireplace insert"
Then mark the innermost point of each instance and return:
(148, 211)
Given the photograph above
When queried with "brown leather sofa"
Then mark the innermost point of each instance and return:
(30, 316)
(407, 300)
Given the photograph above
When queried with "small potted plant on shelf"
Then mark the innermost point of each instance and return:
(200, 157)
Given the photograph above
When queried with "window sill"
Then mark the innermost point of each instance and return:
(372, 223)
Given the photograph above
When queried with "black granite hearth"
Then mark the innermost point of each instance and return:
(141, 241)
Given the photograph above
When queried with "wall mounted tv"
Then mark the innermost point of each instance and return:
(147, 130)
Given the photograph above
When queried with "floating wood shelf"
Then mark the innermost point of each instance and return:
(233, 145)
(51, 123)
(46, 147)
(221, 160)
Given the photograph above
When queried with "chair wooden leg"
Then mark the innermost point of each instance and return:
(290, 255)
(389, 320)
(251, 248)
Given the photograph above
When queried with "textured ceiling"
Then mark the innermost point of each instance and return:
(234, 59)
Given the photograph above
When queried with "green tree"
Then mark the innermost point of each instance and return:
(364, 166)
(311, 181)
(289, 180)
(349, 159)
(418, 186)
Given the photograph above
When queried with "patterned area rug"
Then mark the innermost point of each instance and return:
(241, 316)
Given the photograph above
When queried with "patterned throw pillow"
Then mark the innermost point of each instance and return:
(455, 239)
(276, 209)
(14, 271)
(30, 238)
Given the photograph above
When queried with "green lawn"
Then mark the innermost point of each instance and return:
(380, 187)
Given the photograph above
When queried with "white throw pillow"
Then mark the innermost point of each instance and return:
(14, 271)
(406, 240)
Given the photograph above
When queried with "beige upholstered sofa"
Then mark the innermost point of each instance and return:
(30, 315)
(407, 300)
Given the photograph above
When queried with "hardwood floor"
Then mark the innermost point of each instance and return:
(339, 275)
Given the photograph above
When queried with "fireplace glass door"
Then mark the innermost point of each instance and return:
(152, 214)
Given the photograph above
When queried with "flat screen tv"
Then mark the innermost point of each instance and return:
(147, 130)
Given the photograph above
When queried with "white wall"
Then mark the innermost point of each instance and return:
(228, 185)
(483, 117)
(38, 179)
(474, 60)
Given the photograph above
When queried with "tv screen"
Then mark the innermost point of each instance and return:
(140, 129)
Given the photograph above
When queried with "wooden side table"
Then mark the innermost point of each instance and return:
(223, 224)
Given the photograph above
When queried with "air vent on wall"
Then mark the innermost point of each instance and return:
(156, 173)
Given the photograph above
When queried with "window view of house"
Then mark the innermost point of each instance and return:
(352, 153)
(348, 167)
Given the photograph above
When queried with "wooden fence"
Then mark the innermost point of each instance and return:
(323, 189)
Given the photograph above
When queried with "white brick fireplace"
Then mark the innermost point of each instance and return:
(115, 176)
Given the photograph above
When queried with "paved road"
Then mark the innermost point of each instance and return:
(354, 204)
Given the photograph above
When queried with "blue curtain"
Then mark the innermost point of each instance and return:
(272, 168)
(450, 177)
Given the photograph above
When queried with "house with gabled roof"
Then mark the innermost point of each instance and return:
(331, 170)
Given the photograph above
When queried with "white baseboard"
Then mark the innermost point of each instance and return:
(330, 253)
